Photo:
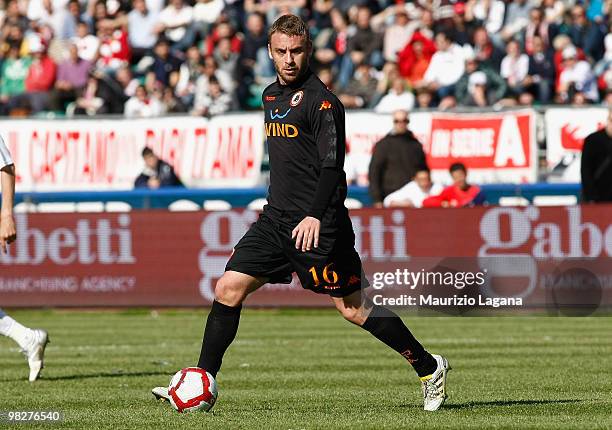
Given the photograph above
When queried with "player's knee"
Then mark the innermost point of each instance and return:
(352, 314)
(229, 293)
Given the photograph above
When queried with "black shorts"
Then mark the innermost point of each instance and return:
(267, 250)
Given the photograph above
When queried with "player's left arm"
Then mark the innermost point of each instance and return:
(327, 121)
(8, 231)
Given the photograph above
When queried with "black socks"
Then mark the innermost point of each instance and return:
(387, 327)
(220, 331)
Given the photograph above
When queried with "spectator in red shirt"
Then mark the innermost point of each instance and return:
(223, 30)
(458, 195)
(114, 47)
(414, 59)
(41, 75)
(39, 81)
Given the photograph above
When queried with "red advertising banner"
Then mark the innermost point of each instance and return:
(495, 146)
(159, 258)
(483, 142)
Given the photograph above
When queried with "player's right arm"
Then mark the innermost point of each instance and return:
(8, 231)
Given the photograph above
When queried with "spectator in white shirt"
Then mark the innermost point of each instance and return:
(577, 80)
(446, 67)
(176, 22)
(155, 6)
(86, 43)
(211, 70)
(489, 12)
(141, 30)
(36, 8)
(189, 73)
(142, 106)
(414, 192)
(55, 14)
(398, 35)
(517, 18)
(215, 103)
(514, 67)
(205, 13)
(398, 98)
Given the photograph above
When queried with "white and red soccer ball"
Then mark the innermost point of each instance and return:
(192, 389)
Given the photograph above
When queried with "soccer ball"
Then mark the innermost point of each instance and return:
(192, 389)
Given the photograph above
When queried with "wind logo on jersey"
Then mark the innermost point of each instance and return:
(296, 99)
(270, 98)
(277, 115)
(279, 129)
(325, 105)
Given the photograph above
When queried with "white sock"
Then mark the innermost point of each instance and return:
(19, 333)
(6, 323)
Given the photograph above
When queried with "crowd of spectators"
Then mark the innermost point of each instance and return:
(206, 57)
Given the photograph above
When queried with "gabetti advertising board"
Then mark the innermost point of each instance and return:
(565, 133)
(227, 151)
(159, 258)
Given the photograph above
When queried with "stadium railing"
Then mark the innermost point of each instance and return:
(220, 199)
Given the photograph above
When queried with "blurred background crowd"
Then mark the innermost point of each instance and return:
(145, 58)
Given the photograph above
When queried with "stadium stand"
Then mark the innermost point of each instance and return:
(206, 57)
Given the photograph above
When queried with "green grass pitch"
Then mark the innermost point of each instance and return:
(310, 369)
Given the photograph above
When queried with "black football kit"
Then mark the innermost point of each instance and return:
(304, 125)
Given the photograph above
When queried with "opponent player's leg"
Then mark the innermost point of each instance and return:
(31, 341)
(389, 328)
(222, 322)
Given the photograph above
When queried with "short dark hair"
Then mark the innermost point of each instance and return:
(422, 169)
(161, 41)
(147, 152)
(457, 166)
(447, 35)
(291, 25)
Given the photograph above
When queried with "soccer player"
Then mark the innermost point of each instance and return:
(305, 227)
(32, 342)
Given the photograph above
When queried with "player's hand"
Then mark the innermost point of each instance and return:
(8, 232)
(306, 234)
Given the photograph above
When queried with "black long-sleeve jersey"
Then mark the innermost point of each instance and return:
(304, 125)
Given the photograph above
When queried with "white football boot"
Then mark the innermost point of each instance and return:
(434, 385)
(35, 352)
(161, 393)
